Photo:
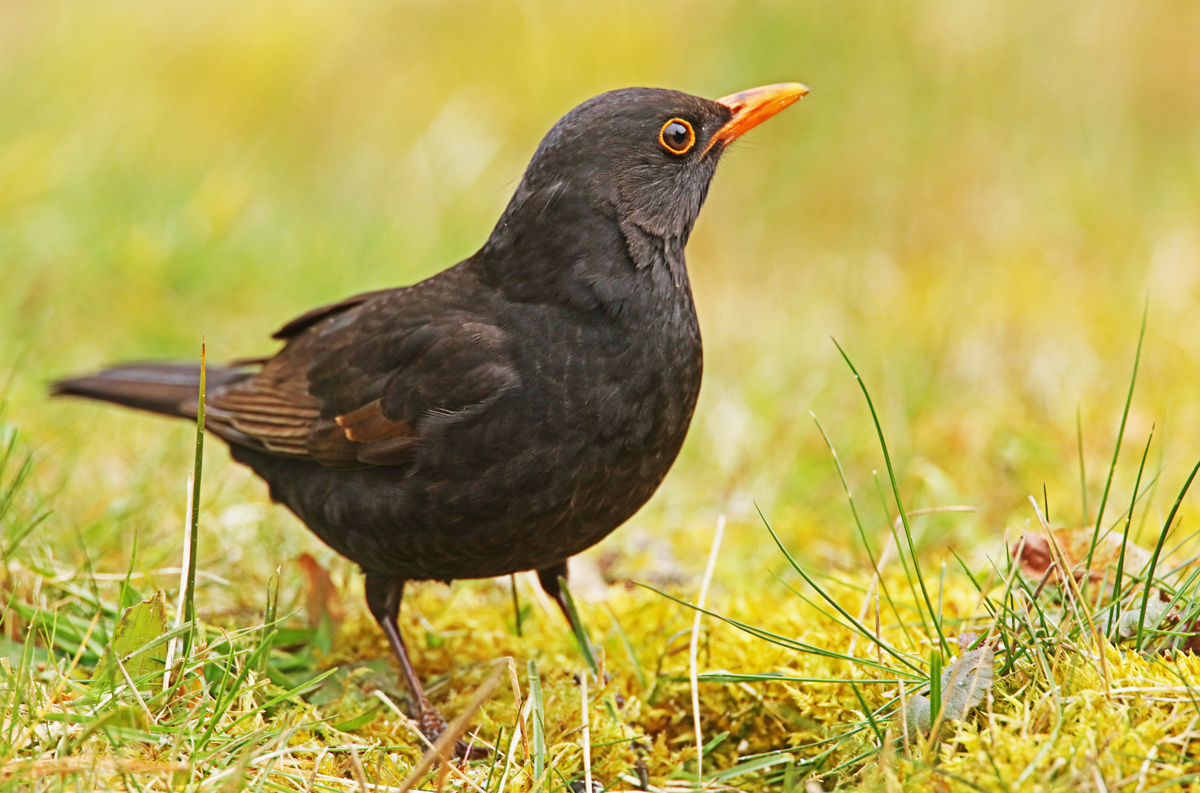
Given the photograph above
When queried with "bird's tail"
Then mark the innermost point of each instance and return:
(169, 389)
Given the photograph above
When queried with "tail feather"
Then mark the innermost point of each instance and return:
(169, 389)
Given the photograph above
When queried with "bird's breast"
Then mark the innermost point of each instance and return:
(612, 401)
(599, 413)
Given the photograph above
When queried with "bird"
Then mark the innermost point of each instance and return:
(512, 410)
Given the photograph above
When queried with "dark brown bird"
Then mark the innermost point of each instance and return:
(510, 411)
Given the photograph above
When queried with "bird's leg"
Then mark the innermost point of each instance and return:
(384, 594)
(548, 578)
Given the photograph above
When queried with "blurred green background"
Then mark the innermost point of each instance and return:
(975, 201)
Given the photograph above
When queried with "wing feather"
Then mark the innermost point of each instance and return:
(357, 380)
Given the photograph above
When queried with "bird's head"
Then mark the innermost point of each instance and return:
(642, 156)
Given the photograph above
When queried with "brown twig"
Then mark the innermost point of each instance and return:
(441, 746)
(693, 649)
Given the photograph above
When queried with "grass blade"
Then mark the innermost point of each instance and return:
(858, 626)
(538, 717)
(577, 627)
(858, 522)
(887, 458)
(189, 597)
(1162, 538)
(1115, 608)
(916, 675)
(1137, 358)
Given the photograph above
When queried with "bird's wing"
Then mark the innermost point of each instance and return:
(310, 318)
(359, 383)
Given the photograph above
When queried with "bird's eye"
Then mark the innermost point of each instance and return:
(677, 136)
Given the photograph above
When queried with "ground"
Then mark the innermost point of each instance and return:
(978, 201)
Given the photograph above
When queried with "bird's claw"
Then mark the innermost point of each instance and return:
(431, 722)
(473, 751)
(432, 726)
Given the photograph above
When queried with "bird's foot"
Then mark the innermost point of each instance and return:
(471, 751)
(432, 726)
(430, 721)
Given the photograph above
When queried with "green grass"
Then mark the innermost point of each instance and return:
(977, 201)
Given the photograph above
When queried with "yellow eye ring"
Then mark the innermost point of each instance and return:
(677, 136)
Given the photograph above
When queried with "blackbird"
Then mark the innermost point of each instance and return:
(512, 410)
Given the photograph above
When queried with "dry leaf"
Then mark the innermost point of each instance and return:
(1036, 555)
(321, 599)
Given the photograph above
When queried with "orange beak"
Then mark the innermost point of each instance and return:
(753, 107)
